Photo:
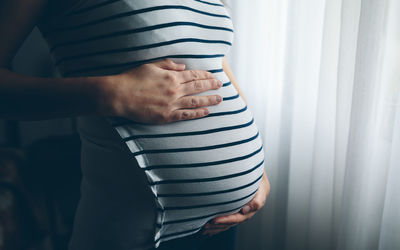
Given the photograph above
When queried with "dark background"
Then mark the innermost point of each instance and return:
(33, 59)
(39, 168)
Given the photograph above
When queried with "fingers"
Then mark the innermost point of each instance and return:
(233, 218)
(211, 229)
(223, 223)
(197, 86)
(190, 75)
(168, 64)
(188, 107)
(253, 206)
(188, 102)
(187, 114)
(211, 226)
(258, 200)
(212, 232)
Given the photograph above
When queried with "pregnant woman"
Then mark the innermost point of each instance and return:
(170, 151)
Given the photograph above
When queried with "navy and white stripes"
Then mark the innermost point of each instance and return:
(197, 169)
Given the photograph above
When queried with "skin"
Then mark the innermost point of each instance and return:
(155, 93)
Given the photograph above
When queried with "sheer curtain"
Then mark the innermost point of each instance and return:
(322, 78)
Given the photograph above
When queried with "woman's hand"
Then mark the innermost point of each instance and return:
(223, 223)
(158, 92)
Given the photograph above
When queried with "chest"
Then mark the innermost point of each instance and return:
(95, 31)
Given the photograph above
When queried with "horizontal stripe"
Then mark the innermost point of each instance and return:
(230, 97)
(226, 84)
(206, 179)
(227, 112)
(202, 132)
(214, 4)
(176, 150)
(131, 13)
(137, 63)
(202, 164)
(138, 30)
(199, 217)
(95, 6)
(142, 47)
(209, 205)
(210, 193)
(216, 70)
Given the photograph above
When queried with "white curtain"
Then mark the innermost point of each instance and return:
(322, 78)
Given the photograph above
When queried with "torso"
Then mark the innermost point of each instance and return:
(196, 169)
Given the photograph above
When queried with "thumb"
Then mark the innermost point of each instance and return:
(246, 209)
(168, 64)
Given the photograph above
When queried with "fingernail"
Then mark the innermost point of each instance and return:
(218, 98)
(219, 83)
(245, 209)
(206, 112)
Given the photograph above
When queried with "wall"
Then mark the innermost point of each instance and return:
(33, 59)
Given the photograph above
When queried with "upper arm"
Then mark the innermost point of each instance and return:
(229, 73)
(17, 19)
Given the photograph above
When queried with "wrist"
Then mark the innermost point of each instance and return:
(104, 94)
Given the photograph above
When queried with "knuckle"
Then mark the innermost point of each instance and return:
(199, 113)
(198, 85)
(214, 84)
(186, 115)
(171, 91)
(194, 102)
(170, 77)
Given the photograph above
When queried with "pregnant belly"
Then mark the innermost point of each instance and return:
(198, 169)
(195, 169)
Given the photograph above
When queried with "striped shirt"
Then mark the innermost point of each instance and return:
(197, 169)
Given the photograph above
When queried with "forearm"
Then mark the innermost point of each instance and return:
(36, 98)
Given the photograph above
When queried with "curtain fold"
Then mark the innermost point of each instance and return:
(322, 80)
